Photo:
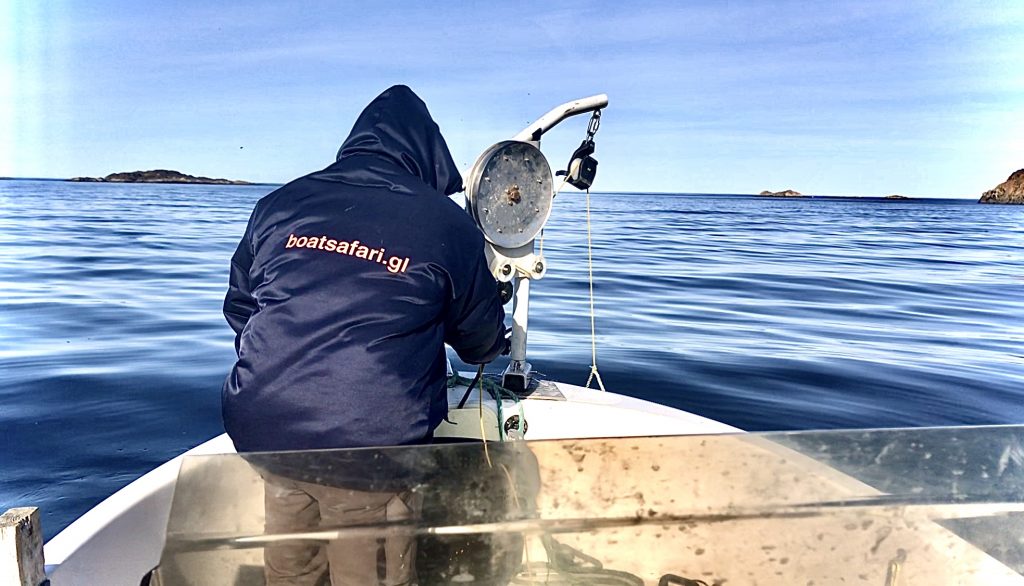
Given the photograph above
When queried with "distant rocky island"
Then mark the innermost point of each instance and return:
(894, 196)
(786, 193)
(1009, 191)
(157, 176)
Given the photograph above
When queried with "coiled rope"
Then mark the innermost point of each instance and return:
(496, 392)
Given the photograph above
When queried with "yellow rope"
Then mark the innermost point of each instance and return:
(594, 374)
(483, 433)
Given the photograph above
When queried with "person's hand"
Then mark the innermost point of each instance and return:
(505, 291)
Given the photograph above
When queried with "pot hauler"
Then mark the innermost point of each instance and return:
(347, 284)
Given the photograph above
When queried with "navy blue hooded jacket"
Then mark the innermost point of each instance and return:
(345, 287)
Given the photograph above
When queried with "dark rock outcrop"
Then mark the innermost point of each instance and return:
(786, 193)
(157, 176)
(894, 196)
(1009, 191)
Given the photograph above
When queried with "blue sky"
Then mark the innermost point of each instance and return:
(841, 98)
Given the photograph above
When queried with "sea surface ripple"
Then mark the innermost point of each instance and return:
(767, 314)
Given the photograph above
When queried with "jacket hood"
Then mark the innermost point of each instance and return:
(396, 128)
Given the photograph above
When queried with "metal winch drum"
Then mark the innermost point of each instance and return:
(509, 193)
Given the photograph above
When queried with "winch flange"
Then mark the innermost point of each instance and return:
(509, 193)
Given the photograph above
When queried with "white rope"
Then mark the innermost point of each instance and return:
(594, 374)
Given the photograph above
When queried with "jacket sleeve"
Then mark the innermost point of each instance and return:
(239, 304)
(475, 325)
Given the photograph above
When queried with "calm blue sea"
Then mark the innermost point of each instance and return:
(764, 313)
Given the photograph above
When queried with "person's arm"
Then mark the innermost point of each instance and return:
(239, 304)
(475, 325)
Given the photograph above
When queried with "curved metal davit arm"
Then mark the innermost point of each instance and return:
(513, 259)
(534, 131)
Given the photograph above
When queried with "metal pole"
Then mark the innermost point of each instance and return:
(520, 317)
(517, 375)
(546, 122)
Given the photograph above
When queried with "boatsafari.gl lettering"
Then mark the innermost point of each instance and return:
(394, 264)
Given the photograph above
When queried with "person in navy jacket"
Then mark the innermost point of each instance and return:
(343, 291)
(347, 284)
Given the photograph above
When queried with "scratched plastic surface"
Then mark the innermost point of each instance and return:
(887, 507)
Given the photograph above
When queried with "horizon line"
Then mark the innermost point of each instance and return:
(609, 192)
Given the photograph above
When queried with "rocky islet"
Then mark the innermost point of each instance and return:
(157, 176)
(1009, 191)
